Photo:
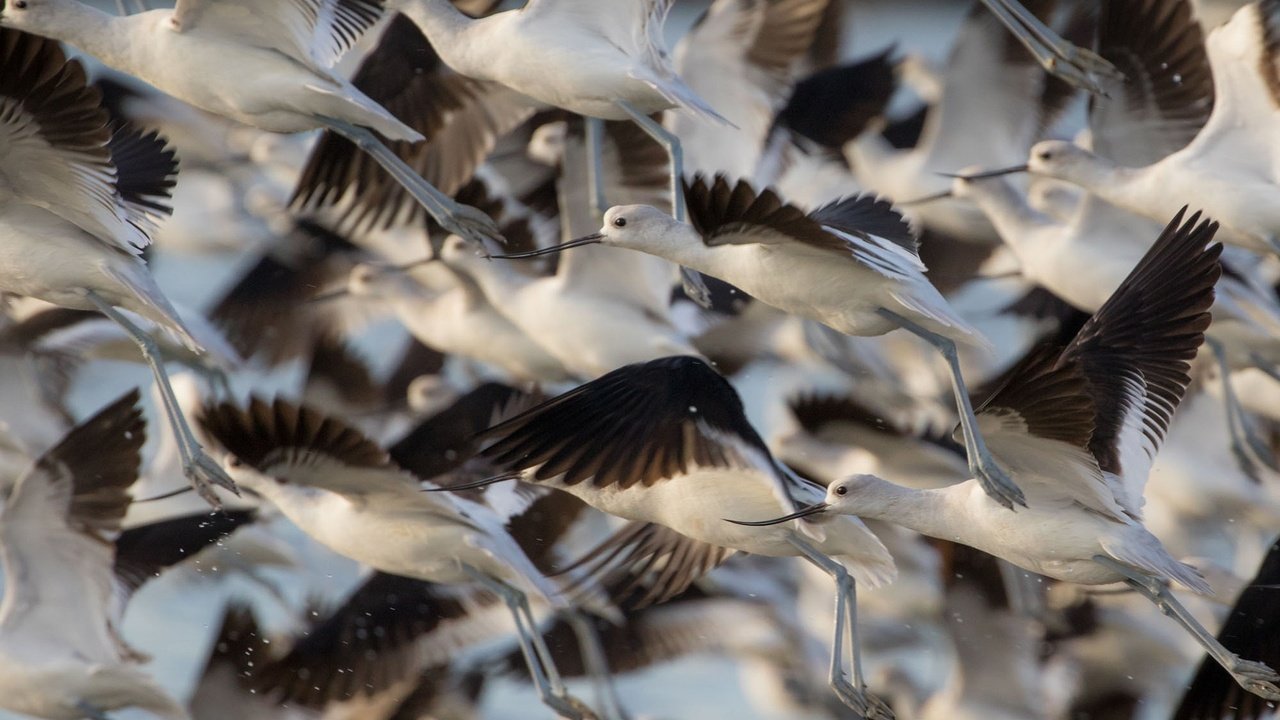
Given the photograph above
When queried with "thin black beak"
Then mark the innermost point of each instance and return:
(813, 509)
(165, 496)
(988, 173)
(926, 199)
(474, 484)
(592, 239)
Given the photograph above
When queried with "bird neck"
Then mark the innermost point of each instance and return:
(444, 25)
(928, 512)
(107, 37)
(1008, 211)
(497, 278)
(681, 244)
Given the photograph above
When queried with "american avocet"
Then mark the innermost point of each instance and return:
(589, 332)
(1083, 422)
(268, 66)
(344, 491)
(76, 208)
(742, 57)
(456, 317)
(993, 105)
(600, 59)
(1230, 168)
(851, 264)
(666, 445)
(59, 646)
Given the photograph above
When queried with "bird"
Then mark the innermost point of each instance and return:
(852, 265)
(588, 332)
(78, 200)
(269, 66)
(347, 493)
(60, 650)
(1087, 419)
(666, 445)
(991, 110)
(1228, 166)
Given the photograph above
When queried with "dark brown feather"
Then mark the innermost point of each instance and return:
(363, 647)
(102, 455)
(645, 564)
(264, 434)
(406, 76)
(637, 425)
(1148, 331)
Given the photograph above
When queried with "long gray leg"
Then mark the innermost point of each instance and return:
(983, 466)
(537, 656)
(854, 695)
(1073, 64)
(694, 286)
(1239, 427)
(1255, 677)
(199, 468)
(595, 166)
(462, 220)
(596, 664)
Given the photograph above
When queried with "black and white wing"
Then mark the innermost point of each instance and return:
(56, 533)
(1113, 390)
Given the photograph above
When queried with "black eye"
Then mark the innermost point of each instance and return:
(620, 222)
(842, 490)
(235, 462)
(1046, 155)
(21, 4)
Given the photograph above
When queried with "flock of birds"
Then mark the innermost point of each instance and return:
(574, 344)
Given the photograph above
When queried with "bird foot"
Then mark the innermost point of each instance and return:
(995, 482)
(472, 225)
(1257, 678)
(204, 474)
(862, 702)
(571, 707)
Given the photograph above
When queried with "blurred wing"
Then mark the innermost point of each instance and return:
(313, 32)
(1168, 91)
(1246, 79)
(54, 141)
(461, 118)
(54, 539)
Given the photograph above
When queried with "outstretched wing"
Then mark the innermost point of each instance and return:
(313, 32)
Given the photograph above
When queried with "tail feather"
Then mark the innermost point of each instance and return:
(678, 93)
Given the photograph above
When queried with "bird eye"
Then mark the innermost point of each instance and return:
(620, 222)
(235, 462)
(20, 5)
(842, 490)
(1046, 155)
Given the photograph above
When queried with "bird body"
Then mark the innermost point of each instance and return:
(1051, 536)
(211, 66)
(581, 55)
(48, 258)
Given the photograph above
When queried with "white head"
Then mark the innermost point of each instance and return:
(546, 146)
(644, 228)
(429, 393)
(843, 496)
(1061, 159)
